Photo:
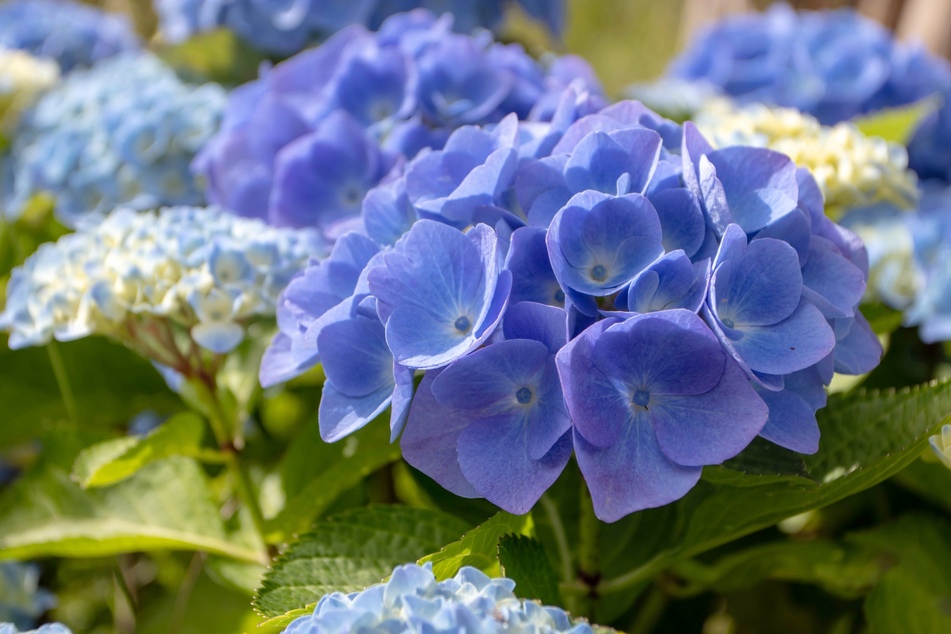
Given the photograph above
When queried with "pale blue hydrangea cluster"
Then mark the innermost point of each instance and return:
(303, 144)
(49, 628)
(148, 278)
(910, 259)
(121, 133)
(411, 601)
(73, 34)
(22, 601)
(285, 28)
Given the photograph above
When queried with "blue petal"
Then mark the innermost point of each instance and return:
(355, 356)
(529, 320)
(761, 287)
(219, 337)
(831, 281)
(680, 218)
(860, 350)
(340, 415)
(791, 423)
(760, 184)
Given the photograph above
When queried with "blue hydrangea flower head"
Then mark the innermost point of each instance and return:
(833, 65)
(303, 144)
(411, 601)
(75, 35)
(22, 601)
(122, 133)
(276, 27)
(154, 279)
(605, 283)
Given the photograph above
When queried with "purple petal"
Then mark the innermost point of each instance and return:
(430, 439)
(529, 320)
(801, 340)
(791, 423)
(632, 474)
(711, 427)
(860, 350)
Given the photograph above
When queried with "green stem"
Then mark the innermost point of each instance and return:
(632, 578)
(62, 381)
(589, 553)
(561, 538)
(651, 611)
(222, 430)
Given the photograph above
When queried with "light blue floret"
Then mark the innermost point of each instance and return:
(412, 602)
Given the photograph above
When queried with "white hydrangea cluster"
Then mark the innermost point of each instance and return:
(853, 170)
(49, 628)
(413, 602)
(122, 133)
(22, 78)
(147, 278)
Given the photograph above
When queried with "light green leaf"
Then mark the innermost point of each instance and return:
(351, 551)
(316, 473)
(896, 124)
(217, 55)
(279, 623)
(866, 438)
(115, 460)
(524, 560)
(166, 505)
(479, 547)
(931, 480)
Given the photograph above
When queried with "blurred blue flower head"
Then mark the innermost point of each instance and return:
(286, 28)
(140, 277)
(411, 601)
(305, 143)
(830, 64)
(49, 628)
(121, 133)
(604, 282)
(22, 601)
(74, 35)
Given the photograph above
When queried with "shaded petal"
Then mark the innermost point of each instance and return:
(278, 363)
(493, 456)
(712, 427)
(529, 320)
(632, 474)
(355, 356)
(340, 415)
(430, 439)
(860, 350)
(797, 342)
(791, 423)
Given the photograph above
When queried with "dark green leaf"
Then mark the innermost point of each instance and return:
(523, 560)
(351, 551)
(866, 438)
(316, 473)
(110, 383)
(479, 547)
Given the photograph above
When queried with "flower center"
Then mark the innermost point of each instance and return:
(599, 273)
(524, 396)
(727, 322)
(463, 325)
(641, 397)
(560, 296)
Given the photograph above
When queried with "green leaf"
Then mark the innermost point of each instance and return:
(761, 463)
(840, 569)
(318, 472)
(479, 547)
(930, 480)
(166, 505)
(351, 551)
(110, 383)
(866, 438)
(115, 460)
(896, 124)
(218, 55)
(915, 595)
(523, 560)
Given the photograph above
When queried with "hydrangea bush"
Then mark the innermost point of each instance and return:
(277, 28)
(303, 144)
(478, 349)
(93, 147)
